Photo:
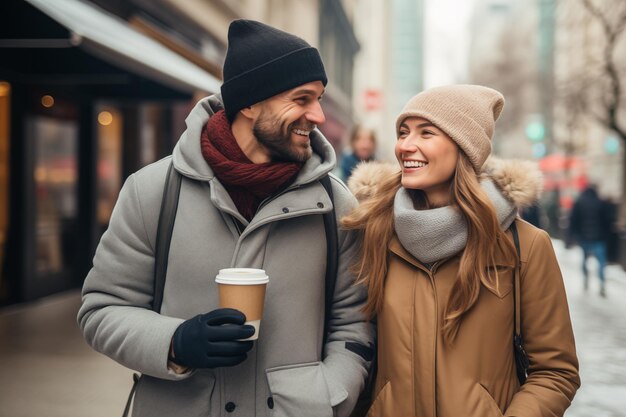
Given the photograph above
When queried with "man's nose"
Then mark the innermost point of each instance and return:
(315, 114)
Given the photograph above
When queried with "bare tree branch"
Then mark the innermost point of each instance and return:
(613, 99)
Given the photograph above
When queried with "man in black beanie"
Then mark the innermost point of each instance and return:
(254, 169)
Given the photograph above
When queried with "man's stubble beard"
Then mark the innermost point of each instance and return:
(276, 138)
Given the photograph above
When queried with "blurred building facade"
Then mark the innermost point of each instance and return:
(90, 91)
(503, 55)
(389, 69)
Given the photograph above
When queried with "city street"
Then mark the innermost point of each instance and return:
(48, 370)
(249, 106)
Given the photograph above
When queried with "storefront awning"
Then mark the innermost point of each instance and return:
(111, 38)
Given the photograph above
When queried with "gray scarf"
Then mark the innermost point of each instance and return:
(431, 235)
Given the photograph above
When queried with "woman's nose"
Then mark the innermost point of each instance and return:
(408, 145)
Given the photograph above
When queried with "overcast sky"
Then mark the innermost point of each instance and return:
(447, 41)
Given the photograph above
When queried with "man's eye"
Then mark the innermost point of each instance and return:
(402, 133)
(427, 132)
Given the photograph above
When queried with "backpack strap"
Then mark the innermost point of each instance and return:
(131, 395)
(167, 217)
(332, 257)
(521, 357)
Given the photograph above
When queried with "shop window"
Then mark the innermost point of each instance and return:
(5, 91)
(55, 173)
(149, 133)
(109, 171)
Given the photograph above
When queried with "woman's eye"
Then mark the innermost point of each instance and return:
(427, 132)
(402, 133)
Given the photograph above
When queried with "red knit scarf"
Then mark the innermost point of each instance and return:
(247, 183)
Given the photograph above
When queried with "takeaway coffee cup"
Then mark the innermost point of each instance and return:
(244, 289)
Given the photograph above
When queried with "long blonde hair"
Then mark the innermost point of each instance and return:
(375, 217)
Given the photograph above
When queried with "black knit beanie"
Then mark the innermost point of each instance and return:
(263, 61)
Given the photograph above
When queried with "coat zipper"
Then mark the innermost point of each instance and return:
(432, 282)
(431, 274)
(273, 197)
(237, 224)
(271, 219)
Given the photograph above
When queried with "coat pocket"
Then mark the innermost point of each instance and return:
(488, 404)
(302, 390)
(504, 284)
(380, 405)
(191, 397)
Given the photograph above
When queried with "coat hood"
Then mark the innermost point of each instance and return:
(188, 159)
(520, 181)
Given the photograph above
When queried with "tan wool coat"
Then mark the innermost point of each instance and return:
(419, 375)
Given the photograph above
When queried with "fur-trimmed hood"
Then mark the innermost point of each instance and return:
(520, 181)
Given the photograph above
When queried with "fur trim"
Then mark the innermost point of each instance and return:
(520, 181)
(364, 180)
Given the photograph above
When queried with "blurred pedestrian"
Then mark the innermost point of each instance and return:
(253, 167)
(613, 240)
(362, 148)
(532, 215)
(552, 207)
(590, 226)
(439, 262)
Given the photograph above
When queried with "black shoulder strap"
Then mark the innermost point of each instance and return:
(521, 357)
(516, 283)
(332, 256)
(167, 216)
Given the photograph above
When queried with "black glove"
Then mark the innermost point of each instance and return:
(210, 340)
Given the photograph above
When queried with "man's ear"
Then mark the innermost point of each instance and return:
(250, 112)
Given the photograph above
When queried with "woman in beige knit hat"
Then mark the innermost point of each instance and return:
(441, 265)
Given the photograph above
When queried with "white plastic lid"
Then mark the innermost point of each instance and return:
(242, 276)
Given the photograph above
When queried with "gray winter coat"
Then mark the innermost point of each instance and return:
(286, 238)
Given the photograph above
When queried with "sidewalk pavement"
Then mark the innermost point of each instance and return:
(48, 369)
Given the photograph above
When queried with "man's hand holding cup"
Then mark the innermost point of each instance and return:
(212, 340)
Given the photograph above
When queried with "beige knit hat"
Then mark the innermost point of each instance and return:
(466, 113)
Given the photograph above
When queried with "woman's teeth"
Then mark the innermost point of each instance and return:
(414, 164)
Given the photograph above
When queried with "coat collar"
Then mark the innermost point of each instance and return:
(501, 258)
(396, 248)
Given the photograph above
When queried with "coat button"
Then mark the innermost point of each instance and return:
(230, 406)
(320, 205)
(270, 402)
(285, 210)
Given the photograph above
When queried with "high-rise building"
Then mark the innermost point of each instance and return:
(389, 68)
